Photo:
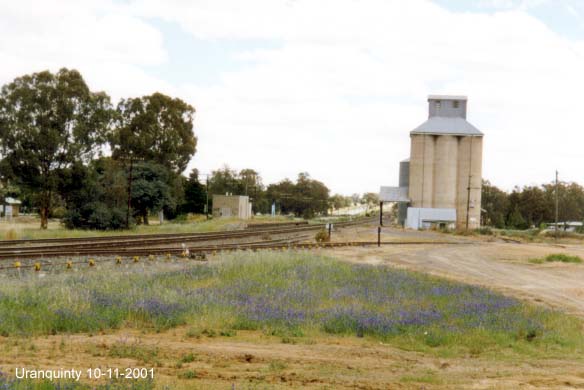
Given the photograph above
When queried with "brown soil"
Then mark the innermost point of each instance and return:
(502, 266)
(254, 360)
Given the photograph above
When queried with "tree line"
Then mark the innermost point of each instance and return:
(531, 206)
(69, 152)
(305, 197)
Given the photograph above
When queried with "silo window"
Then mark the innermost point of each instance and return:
(455, 104)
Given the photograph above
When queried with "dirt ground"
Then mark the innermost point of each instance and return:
(482, 261)
(253, 360)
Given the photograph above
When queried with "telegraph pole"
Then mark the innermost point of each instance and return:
(129, 193)
(469, 183)
(557, 204)
(207, 197)
(468, 202)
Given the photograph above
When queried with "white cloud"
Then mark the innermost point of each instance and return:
(108, 45)
(338, 85)
(348, 80)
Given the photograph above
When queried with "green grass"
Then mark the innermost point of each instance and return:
(527, 235)
(428, 376)
(289, 295)
(557, 257)
(31, 230)
(29, 227)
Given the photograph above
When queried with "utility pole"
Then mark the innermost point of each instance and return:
(468, 201)
(469, 183)
(207, 197)
(557, 204)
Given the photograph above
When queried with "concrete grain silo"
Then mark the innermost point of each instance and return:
(445, 170)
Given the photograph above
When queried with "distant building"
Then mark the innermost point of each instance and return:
(11, 207)
(568, 226)
(440, 184)
(231, 206)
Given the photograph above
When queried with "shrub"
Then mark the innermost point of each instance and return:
(485, 231)
(96, 215)
(58, 212)
(322, 236)
(563, 258)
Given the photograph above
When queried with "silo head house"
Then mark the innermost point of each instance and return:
(444, 169)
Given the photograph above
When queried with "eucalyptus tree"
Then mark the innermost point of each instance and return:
(155, 128)
(48, 122)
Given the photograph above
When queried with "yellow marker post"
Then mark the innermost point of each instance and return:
(91, 262)
(37, 266)
(17, 264)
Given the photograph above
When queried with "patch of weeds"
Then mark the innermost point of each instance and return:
(288, 340)
(277, 365)
(557, 257)
(434, 340)
(284, 332)
(209, 333)
(142, 354)
(563, 258)
(228, 333)
(426, 377)
(93, 350)
(193, 333)
(189, 374)
(245, 324)
(528, 334)
(187, 358)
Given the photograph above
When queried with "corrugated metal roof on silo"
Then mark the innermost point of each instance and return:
(440, 125)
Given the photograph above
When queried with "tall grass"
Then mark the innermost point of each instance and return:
(288, 294)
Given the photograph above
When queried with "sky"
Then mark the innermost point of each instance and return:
(329, 87)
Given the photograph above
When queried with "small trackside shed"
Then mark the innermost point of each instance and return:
(11, 207)
(231, 206)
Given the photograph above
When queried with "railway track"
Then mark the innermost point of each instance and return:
(202, 252)
(152, 244)
(127, 237)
